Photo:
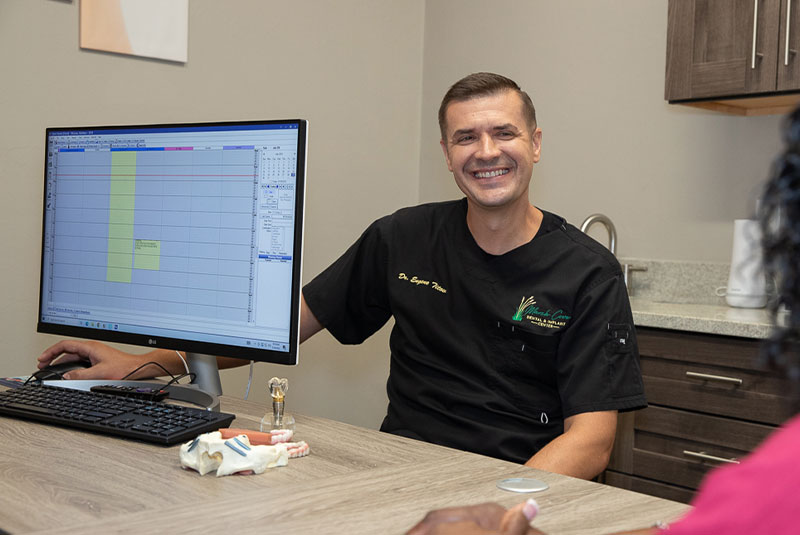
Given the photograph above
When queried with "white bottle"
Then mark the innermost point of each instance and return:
(747, 283)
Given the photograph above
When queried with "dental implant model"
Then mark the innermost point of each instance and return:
(278, 419)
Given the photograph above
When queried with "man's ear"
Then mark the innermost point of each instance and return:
(443, 144)
(536, 139)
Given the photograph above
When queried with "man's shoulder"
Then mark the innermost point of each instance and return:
(431, 209)
(426, 214)
(578, 244)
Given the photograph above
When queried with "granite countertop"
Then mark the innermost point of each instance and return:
(702, 318)
(689, 296)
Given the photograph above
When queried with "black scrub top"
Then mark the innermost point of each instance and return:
(489, 353)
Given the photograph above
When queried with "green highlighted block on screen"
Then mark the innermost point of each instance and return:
(124, 253)
(120, 216)
(146, 254)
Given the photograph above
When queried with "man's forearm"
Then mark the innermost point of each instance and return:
(563, 457)
(583, 450)
(168, 358)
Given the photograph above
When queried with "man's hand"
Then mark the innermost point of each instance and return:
(107, 362)
(481, 519)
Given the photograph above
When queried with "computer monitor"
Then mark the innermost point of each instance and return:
(176, 236)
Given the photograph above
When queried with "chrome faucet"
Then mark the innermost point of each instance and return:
(627, 269)
(612, 232)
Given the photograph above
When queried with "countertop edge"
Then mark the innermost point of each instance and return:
(709, 319)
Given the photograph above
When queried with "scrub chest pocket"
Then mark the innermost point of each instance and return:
(525, 363)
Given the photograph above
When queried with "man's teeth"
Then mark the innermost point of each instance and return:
(490, 174)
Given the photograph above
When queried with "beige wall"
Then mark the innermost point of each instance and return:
(353, 68)
(671, 178)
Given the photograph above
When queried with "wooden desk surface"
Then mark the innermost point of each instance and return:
(356, 480)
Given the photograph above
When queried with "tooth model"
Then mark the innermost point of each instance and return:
(278, 419)
(235, 455)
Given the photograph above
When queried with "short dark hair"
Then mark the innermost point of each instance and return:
(481, 84)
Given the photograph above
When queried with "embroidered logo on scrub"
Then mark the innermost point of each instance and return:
(433, 285)
(547, 318)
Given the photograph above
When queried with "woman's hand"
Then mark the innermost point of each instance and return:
(481, 519)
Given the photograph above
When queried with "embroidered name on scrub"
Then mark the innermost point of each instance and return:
(422, 282)
(547, 318)
(550, 319)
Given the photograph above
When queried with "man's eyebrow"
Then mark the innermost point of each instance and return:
(507, 126)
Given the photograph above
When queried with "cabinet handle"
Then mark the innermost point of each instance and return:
(706, 457)
(755, 32)
(788, 16)
(709, 377)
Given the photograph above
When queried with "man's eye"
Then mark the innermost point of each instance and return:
(464, 139)
(505, 134)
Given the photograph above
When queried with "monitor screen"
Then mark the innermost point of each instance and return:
(181, 236)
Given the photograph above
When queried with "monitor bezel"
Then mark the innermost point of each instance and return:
(185, 344)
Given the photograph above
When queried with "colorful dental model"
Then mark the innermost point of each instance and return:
(277, 436)
(240, 451)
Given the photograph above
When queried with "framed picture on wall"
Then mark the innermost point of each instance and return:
(148, 28)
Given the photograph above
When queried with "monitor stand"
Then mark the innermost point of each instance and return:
(206, 372)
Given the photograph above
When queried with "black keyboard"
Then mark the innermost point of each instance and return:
(150, 421)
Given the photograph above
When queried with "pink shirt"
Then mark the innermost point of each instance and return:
(760, 495)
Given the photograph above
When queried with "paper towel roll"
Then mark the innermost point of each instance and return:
(747, 284)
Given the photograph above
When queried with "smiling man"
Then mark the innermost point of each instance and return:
(513, 334)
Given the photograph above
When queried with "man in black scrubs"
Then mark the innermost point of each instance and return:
(513, 333)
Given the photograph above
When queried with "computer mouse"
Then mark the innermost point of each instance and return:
(57, 370)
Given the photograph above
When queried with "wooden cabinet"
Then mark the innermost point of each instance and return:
(719, 51)
(709, 404)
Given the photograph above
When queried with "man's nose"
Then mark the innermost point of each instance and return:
(487, 148)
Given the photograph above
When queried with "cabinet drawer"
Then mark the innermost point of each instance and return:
(711, 374)
(740, 353)
(669, 469)
(679, 447)
(682, 385)
(712, 431)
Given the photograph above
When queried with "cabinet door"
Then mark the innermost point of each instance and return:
(788, 46)
(718, 48)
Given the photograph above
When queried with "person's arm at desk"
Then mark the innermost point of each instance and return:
(481, 519)
(107, 362)
(490, 519)
(583, 450)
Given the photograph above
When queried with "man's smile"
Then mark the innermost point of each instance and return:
(489, 174)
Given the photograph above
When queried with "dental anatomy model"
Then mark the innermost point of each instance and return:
(240, 451)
